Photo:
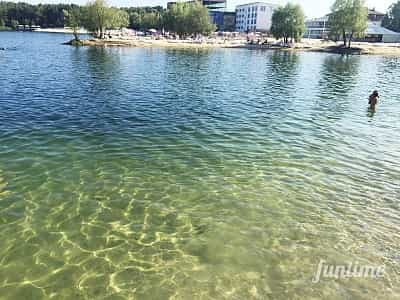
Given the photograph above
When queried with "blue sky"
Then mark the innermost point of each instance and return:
(312, 8)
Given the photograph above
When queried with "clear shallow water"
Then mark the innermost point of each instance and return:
(221, 174)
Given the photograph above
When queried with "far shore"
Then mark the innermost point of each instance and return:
(306, 45)
(310, 45)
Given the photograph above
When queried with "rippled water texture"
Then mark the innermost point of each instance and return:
(220, 174)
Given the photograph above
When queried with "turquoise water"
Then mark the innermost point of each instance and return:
(214, 174)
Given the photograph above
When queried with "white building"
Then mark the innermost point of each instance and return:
(255, 16)
(376, 33)
(317, 28)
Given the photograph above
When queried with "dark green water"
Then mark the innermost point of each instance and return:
(220, 174)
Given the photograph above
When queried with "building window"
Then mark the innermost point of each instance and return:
(262, 8)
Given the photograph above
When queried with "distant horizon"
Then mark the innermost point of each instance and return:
(312, 8)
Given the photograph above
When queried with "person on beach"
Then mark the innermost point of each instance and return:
(373, 100)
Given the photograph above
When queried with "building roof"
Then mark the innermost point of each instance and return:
(374, 29)
(254, 3)
(375, 12)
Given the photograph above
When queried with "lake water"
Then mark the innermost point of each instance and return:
(183, 174)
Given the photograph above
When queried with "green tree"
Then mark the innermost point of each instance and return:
(175, 18)
(73, 18)
(288, 23)
(2, 16)
(135, 20)
(44, 15)
(198, 19)
(185, 18)
(392, 18)
(99, 17)
(348, 19)
(96, 17)
(119, 19)
(146, 17)
(151, 20)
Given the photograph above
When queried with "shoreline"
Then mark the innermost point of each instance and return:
(306, 46)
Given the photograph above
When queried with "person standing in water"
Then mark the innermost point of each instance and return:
(373, 100)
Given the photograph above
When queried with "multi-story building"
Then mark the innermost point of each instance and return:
(375, 16)
(255, 16)
(317, 28)
(225, 20)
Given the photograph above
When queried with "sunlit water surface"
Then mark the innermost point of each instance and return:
(219, 174)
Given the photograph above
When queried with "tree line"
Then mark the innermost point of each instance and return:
(46, 15)
(97, 16)
(13, 14)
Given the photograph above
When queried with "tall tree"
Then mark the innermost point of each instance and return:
(392, 18)
(176, 18)
(135, 20)
(198, 19)
(73, 18)
(96, 17)
(188, 18)
(3, 16)
(119, 19)
(99, 17)
(288, 23)
(348, 19)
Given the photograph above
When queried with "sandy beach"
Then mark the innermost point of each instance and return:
(312, 45)
(305, 45)
(387, 49)
(163, 43)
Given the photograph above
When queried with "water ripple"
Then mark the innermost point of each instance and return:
(212, 174)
